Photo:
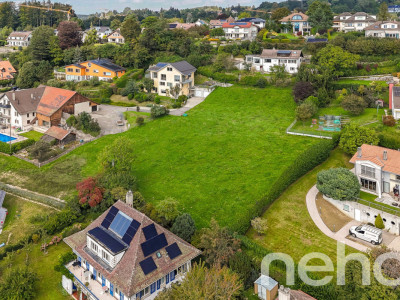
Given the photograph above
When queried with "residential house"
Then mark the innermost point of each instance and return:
(116, 37)
(102, 31)
(58, 134)
(347, 22)
(22, 105)
(377, 169)
(260, 23)
(7, 71)
(394, 100)
(3, 210)
(184, 26)
(168, 75)
(201, 22)
(124, 254)
(382, 29)
(299, 22)
(240, 31)
(219, 22)
(263, 62)
(19, 39)
(101, 68)
(56, 102)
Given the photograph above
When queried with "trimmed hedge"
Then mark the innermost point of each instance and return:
(230, 78)
(5, 147)
(305, 162)
(389, 141)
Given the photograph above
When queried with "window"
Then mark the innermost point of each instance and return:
(257, 60)
(94, 246)
(169, 69)
(163, 77)
(120, 224)
(267, 60)
(249, 59)
(77, 70)
(397, 177)
(89, 65)
(292, 69)
(368, 171)
(368, 184)
(146, 290)
(154, 74)
(116, 291)
(70, 70)
(27, 115)
(33, 114)
(106, 256)
(169, 84)
(177, 78)
(107, 73)
(162, 82)
(95, 71)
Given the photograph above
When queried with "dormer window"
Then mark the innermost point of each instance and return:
(169, 69)
(120, 224)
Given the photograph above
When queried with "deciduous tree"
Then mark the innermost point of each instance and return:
(320, 15)
(354, 136)
(167, 210)
(279, 13)
(69, 34)
(354, 104)
(383, 14)
(305, 111)
(89, 192)
(18, 284)
(130, 28)
(302, 90)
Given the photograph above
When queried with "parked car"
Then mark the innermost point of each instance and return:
(367, 233)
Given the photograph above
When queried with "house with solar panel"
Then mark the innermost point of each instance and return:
(240, 31)
(125, 255)
(263, 62)
(167, 75)
(102, 68)
(3, 210)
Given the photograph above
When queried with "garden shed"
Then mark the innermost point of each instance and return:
(59, 134)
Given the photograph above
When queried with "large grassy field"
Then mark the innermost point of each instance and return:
(290, 227)
(217, 162)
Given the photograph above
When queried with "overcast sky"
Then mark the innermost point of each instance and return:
(91, 6)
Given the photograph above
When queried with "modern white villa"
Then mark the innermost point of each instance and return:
(299, 22)
(124, 255)
(240, 31)
(378, 170)
(347, 22)
(384, 29)
(263, 62)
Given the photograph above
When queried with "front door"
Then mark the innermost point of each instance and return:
(357, 214)
(386, 187)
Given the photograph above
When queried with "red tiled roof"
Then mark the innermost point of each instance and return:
(57, 132)
(239, 24)
(53, 99)
(6, 70)
(374, 154)
(127, 275)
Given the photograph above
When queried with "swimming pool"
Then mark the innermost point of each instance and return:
(6, 138)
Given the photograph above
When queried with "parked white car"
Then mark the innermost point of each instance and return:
(367, 233)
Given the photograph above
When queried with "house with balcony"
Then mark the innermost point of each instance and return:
(19, 39)
(347, 22)
(240, 31)
(384, 29)
(263, 62)
(102, 68)
(124, 254)
(394, 100)
(377, 169)
(260, 23)
(298, 22)
(168, 75)
(116, 37)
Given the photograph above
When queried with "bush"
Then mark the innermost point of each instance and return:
(389, 121)
(157, 100)
(139, 121)
(5, 147)
(354, 104)
(339, 184)
(389, 141)
(353, 136)
(305, 111)
(130, 96)
(184, 227)
(71, 121)
(158, 111)
(379, 222)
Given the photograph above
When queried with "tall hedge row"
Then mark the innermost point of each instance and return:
(389, 141)
(248, 80)
(5, 147)
(305, 162)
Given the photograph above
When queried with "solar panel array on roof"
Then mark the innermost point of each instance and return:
(284, 51)
(110, 217)
(149, 231)
(131, 231)
(148, 265)
(161, 65)
(238, 23)
(104, 237)
(2, 196)
(173, 250)
(316, 40)
(154, 244)
(120, 224)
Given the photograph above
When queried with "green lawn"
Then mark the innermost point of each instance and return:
(48, 285)
(131, 116)
(32, 135)
(217, 162)
(18, 222)
(290, 227)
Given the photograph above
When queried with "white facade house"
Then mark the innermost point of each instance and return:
(384, 29)
(298, 21)
(19, 39)
(263, 62)
(116, 37)
(260, 23)
(240, 31)
(394, 100)
(378, 169)
(348, 22)
(124, 255)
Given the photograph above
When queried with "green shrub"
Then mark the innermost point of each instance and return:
(15, 147)
(389, 141)
(157, 100)
(339, 184)
(158, 111)
(130, 96)
(139, 121)
(379, 222)
(353, 136)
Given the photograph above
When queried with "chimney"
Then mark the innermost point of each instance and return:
(384, 155)
(13, 96)
(129, 198)
(283, 293)
(359, 153)
(391, 85)
(32, 96)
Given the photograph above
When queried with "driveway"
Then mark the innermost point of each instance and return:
(107, 116)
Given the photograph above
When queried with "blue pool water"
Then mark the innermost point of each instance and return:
(6, 138)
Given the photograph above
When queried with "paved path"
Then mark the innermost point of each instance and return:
(338, 236)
